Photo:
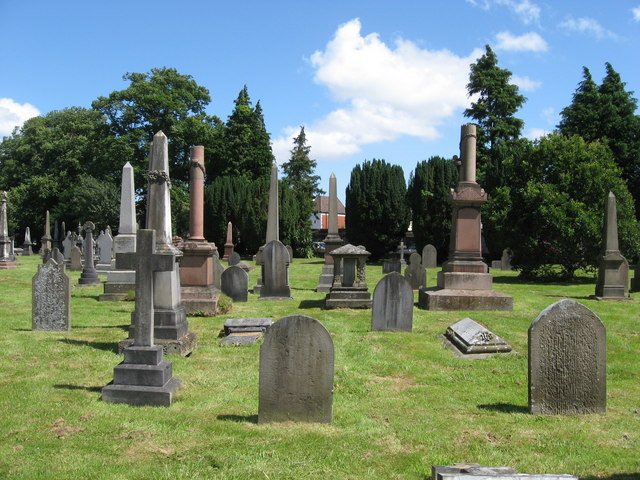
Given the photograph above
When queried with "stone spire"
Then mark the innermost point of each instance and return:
(610, 243)
(273, 216)
(127, 223)
(613, 268)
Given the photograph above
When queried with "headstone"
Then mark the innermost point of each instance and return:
(401, 250)
(51, 298)
(296, 372)
(567, 361)
(290, 250)
(613, 268)
(429, 256)
(415, 273)
(67, 246)
(228, 245)
(392, 304)
(505, 260)
(235, 283)
(57, 256)
(234, 258)
(144, 377)
(171, 329)
(464, 282)
(240, 332)
(349, 288)
(26, 246)
(275, 272)
(105, 247)
(198, 291)
(7, 256)
(392, 265)
(89, 274)
(56, 236)
(472, 340)
(475, 471)
(218, 269)
(496, 264)
(76, 259)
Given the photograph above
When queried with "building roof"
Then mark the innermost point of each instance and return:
(321, 205)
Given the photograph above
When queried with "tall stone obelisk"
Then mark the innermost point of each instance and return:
(228, 245)
(120, 281)
(197, 264)
(464, 282)
(7, 258)
(45, 241)
(332, 241)
(171, 329)
(273, 218)
(613, 268)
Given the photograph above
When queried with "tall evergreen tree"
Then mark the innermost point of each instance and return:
(428, 192)
(301, 187)
(494, 110)
(582, 116)
(376, 207)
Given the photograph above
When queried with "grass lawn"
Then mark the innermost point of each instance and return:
(401, 401)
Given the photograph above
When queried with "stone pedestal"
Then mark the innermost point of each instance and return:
(349, 289)
(199, 295)
(326, 278)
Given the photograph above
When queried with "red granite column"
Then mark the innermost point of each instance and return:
(196, 188)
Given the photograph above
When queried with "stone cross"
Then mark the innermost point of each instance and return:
(145, 261)
(89, 274)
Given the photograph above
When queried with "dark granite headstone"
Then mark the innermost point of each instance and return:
(392, 304)
(567, 361)
(296, 372)
(234, 258)
(51, 298)
(415, 273)
(275, 278)
(235, 283)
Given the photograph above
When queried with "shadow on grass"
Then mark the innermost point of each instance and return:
(303, 289)
(524, 281)
(68, 386)
(616, 476)
(106, 346)
(311, 303)
(239, 418)
(122, 327)
(571, 297)
(22, 329)
(504, 408)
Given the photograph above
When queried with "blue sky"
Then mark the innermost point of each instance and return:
(367, 79)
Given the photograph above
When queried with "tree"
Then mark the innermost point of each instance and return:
(552, 208)
(377, 213)
(428, 192)
(298, 191)
(582, 116)
(493, 111)
(246, 147)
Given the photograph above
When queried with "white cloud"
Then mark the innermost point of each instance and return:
(528, 12)
(386, 92)
(536, 133)
(13, 114)
(525, 83)
(636, 13)
(550, 115)
(588, 26)
(531, 42)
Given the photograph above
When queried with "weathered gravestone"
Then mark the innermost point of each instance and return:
(392, 304)
(234, 259)
(471, 340)
(567, 361)
(296, 372)
(89, 274)
(235, 284)
(393, 265)
(415, 273)
(67, 246)
(26, 246)
(290, 250)
(475, 471)
(76, 259)
(241, 332)
(144, 377)
(105, 247)
(51, 298)
(429, 256)
(505, 260)
(45, 240)
(275, 272)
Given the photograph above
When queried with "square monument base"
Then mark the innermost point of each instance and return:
(348, 297)
(182, 346)
(141, 395)
(449, 299)
(201, 299)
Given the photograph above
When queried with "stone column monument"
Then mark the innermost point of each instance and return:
(89, 274)
(171, 329)
(197, 264)
(144, 377)
(464, 282)
(228, 245)
(26, 246)
(45, 241)
(119, 281)
(332, 241)
(613, 268)
(7, 258)
(273, 218)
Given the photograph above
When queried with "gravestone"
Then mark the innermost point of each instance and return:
(234, 259)
(228, 245)
(496, 264)
(613, 268)
(475, 471)
(505, 260)
(393, 265)
(400, 253)
(57, 256)
(296, 372)
(105, 247)
(567, 361)
(415, 273)
(275, 272)
(392, 304)
(290, 250)
(57, 241)
(273, 232)
(51, 298)
(45, 240)
(89, 274)
(26, 246)
(429, 256)
(218, 269)
(235, 283)
(67, 246)
(471, 340)
(7, 256)
(76, 259)
(240, 332)
(144, 377)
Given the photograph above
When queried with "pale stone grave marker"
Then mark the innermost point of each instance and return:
(51, 298)
(429, 256)
(76, 259)
(296, 372)
(392, 304)
(415, 273)
(567, 361)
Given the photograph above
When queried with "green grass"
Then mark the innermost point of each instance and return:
(401, 401)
